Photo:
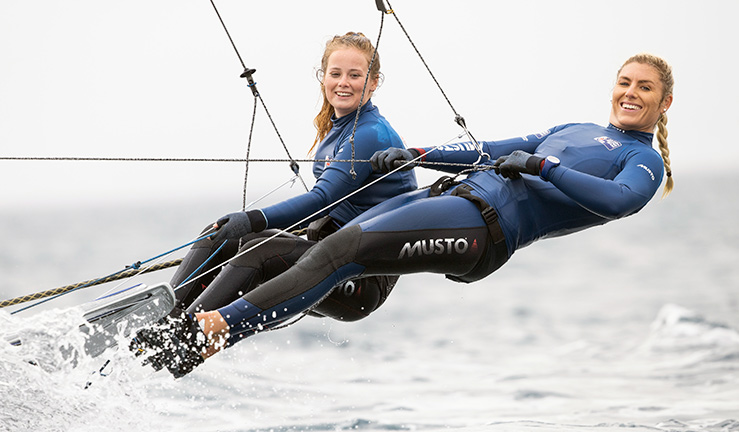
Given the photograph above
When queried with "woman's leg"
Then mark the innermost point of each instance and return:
(199, 253)
(265, 259)
(444, 234)
(190, 269)
(355, 299)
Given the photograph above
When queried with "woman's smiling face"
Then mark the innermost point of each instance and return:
(638, 98)
(344, 78)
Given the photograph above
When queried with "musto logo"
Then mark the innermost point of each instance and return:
(434, 246)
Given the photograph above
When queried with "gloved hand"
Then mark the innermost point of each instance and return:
(518, 162)
(232, 226)
(392, 158)
(175, 342)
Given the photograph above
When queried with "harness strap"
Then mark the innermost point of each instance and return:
(488, 214)
(442, 185)
(321, 228)
(497, 253)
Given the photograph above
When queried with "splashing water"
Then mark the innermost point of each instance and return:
(43, 380)
(43, 383)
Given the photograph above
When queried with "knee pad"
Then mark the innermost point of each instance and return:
(356, 298)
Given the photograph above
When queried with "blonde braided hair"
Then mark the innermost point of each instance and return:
(665, 151)
(668, 82)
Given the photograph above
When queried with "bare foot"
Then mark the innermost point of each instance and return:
(215, 329)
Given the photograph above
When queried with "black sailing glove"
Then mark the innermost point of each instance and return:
(516, 163)
(392, 158)
(175, 342)
(232, 226)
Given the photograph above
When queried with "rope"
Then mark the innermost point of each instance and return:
(248, 74)
(457, 117)
(92, 282)
(122, 159)
(228, 34)
(364, 88)
(144, 159)
(248, 151)
(129, 271)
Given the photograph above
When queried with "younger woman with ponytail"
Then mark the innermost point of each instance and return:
(349, 76)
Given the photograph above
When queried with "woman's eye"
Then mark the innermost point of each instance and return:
(356, 75)
(334, 74)
(646, 88)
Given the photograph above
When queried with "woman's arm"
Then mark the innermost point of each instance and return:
(336, 181)
(628, 192)
(466, 152)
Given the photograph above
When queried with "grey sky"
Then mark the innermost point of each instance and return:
(160, 79)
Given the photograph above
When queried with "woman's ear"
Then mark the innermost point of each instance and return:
(666, 103)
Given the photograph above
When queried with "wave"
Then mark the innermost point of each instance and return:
(680, 330)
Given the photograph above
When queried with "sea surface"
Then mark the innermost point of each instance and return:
(631, 326)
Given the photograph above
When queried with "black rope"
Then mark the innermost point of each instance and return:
(422, 59)
(114, 159)
(364, 88)
(248, 151)
(140, 159)
(248, 74)
(243, 65)
(457, 117)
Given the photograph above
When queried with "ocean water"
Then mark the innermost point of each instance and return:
(632, 326)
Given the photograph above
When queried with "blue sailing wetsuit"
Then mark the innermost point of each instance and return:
(605, 174)
(334, 180)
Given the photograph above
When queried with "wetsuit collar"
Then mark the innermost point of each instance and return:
(343, 121)
(645, 137)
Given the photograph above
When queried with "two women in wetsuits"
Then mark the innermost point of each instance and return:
(562, 180)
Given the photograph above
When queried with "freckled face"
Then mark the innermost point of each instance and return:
(343, 80)
(637, 98)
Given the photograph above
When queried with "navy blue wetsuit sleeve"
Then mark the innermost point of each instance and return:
(628, 192)
(336, 181)
(466, 152)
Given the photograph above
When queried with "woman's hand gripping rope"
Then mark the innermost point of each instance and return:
(232, 226)
(392, 158)
(517, 163)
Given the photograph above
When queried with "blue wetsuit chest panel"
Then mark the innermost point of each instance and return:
(334, 180)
